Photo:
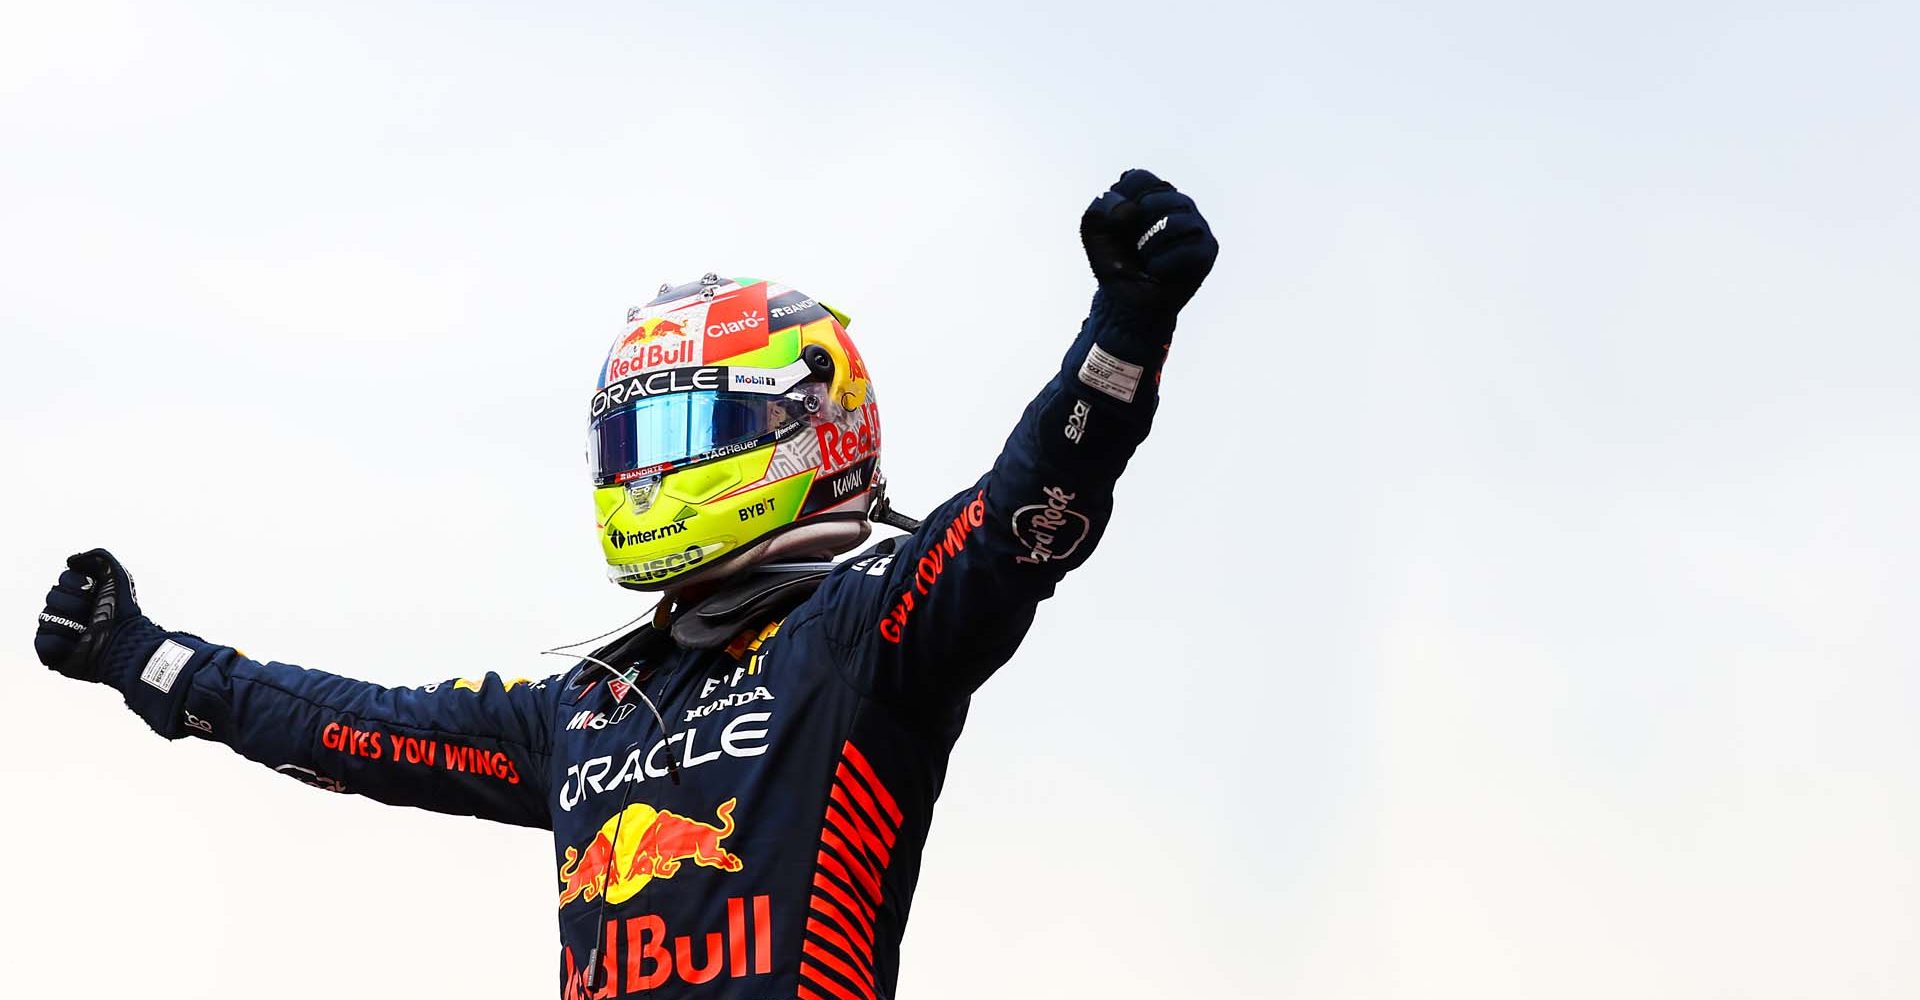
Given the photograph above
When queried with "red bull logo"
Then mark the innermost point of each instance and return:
(643, 954)
(842, 447)
(653, 344)
(642, 844)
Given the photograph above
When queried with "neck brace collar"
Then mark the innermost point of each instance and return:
(767, 592)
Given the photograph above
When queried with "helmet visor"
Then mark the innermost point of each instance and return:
(659, 433)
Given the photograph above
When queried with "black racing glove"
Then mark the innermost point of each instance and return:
(92, 602)
(92, 630)
(1149, 246)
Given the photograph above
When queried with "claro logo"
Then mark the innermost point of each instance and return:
(749, 320)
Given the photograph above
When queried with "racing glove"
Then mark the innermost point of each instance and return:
(92, 630)
(1148, 244)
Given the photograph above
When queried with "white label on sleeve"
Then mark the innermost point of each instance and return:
(1110, 375)
(166, 664)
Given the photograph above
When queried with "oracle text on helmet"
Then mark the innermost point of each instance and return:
(658, 383)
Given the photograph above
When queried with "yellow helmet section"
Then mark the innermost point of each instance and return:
(654, 532)
(849, 386)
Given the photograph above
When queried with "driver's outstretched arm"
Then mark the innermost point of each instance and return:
(933, 614)
(472, 747)
(476, 747)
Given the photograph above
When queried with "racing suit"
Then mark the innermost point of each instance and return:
(762, 836)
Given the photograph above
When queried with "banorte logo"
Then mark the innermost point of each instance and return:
(842, 447)
(653, 344)
(641, 844)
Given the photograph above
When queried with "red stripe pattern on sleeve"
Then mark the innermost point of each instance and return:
(856, 844)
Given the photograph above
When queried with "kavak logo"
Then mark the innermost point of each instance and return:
(848, 484)
(840, 488)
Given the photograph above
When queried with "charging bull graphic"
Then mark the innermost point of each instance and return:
(642, 844)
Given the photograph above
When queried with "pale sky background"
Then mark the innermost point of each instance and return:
(1515, 600)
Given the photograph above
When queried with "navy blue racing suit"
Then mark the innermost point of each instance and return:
(761, 838)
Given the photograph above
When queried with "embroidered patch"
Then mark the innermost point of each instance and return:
(1110, 375)
(165, 665)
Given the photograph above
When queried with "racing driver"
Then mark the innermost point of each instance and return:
(739, 788)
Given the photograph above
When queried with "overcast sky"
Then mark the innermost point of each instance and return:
(1516, 598)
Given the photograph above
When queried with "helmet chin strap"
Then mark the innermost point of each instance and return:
(882, 512)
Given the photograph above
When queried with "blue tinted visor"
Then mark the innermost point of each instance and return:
(662, 432)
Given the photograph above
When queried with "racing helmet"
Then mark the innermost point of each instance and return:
(733, 423)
